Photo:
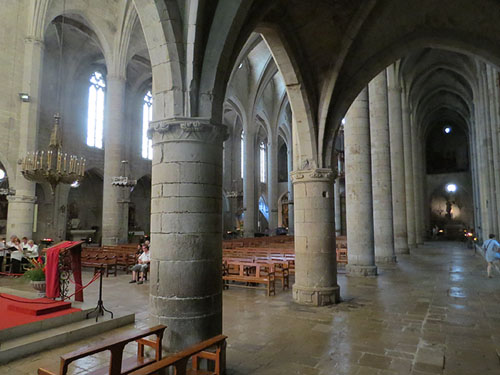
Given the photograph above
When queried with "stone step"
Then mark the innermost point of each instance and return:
(52, 337)
(42, 325)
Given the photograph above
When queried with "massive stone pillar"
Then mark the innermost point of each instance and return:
(249, 203)
(397, 163)
(409, 185)
(272, 181)
(114, 218)
(338, 208)
(186, 223)
(416, 160)
(358, 187)
(291, 219)
(381, 170)
(315, 255)
(22, 204)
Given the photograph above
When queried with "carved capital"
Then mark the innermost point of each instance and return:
(21, 199)
(188, 129)
(313, 175)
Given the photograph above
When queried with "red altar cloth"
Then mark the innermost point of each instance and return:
(52, 268)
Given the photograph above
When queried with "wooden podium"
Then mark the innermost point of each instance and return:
(62, 260)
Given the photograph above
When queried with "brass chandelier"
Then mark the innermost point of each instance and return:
(53, 166)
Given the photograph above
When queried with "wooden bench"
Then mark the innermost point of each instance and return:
(179, 361)
(117, 365)
(99, 260)
(249, 274)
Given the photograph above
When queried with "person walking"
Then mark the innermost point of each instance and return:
(491, 248)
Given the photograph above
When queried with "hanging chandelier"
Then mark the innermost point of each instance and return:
(53, 166)
(124, 180)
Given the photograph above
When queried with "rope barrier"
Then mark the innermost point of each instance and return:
(96, 276)
(11, 274)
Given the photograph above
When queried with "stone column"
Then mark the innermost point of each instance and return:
(397, 163)
(113, 202)
(409, 185)
(186, 222)
(358, 188)
(249, 204)
(416, 160)
(272, 181)
(291, 217)
(381, 170)
(315, 255)
(338, 208)
(22, 204)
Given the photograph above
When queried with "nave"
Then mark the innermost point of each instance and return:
(435, 309)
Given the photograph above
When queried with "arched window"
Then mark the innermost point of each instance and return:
(263, 161)
(95, 117)
(242, 152)
(147, 116)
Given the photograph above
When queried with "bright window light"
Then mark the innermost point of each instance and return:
(147, 116)
(95, 115)
(263, 162)
(2, 174)
(242, 154)
(447, 129)
(451, 188)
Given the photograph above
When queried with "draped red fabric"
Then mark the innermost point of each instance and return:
(52, 273)
(52, 269)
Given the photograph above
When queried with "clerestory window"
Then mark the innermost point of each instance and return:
(147, 116)
(95, 116)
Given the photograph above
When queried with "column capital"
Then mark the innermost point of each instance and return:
(313, 175)
(194, 129)
(21, 199)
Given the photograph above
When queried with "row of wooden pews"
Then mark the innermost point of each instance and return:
(110, 258)
(213, 351)
(250, 262)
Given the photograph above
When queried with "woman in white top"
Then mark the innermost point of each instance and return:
(32, 249)
(17, 256)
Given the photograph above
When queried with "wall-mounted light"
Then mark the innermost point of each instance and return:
(24, 97)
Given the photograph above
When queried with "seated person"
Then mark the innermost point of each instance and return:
(141, 266)
(32, 249)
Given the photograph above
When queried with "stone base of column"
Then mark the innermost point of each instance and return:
(316, 296)
(385, 259)
(355, 270)
(403, 250)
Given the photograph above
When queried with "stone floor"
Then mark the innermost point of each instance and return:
(435, 312)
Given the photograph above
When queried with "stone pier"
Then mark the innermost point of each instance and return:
(358, 185)
(315, 260)
(186, 224)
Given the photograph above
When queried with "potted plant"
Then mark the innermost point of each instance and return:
(36, 274)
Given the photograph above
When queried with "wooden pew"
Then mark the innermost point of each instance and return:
(249, 274)
(179, 361)
(117, 365)
(99, 260)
